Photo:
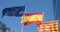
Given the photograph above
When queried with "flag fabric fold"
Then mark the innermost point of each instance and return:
(32, 18)
(13, 11)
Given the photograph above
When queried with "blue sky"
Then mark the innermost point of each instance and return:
(31, 6)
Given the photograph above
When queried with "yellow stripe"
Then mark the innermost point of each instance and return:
(32, 18)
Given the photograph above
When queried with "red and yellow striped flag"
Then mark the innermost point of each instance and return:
(32, 18)
(51, 26)
(40, 28)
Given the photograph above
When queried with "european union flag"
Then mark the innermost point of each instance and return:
(14, 11)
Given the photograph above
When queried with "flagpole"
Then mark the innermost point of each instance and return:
(22, 28)
(21, 21)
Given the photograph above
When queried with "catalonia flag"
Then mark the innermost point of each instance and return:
(32, 18)
(51, 26)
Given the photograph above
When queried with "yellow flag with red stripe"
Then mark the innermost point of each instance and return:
(32, 18)
(51, 26)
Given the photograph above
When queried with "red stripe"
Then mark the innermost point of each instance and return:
(31, 22)
(47, 23)
(38, 13)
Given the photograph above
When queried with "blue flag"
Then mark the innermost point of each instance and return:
(14, 11)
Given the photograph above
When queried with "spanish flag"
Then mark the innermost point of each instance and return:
(32, 18)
